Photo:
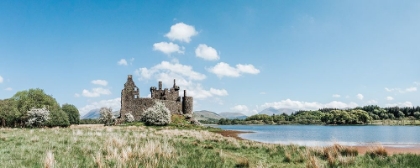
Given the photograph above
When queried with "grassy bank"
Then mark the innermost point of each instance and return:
(140, 146)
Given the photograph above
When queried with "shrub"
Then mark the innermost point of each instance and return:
(37, 117)
(129, 117)
(106, 116)
(58, 118)
(157, 115)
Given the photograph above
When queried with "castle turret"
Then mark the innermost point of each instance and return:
(128, 94)
(187, 104)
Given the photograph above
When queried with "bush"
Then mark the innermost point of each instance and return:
(72, 112)
(129, 117)
(37, 117)
(106, 116)
(58, 118)
(157, 115)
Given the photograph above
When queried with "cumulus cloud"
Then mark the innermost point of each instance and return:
(301, 105)
(336, 95)
(206, 52)
(240, 108)
(399, 90)
(168, 48)
(389, 98)
(1, 79)
(360, 96)
(100, 82)
(122, 62)
(115, 104)
(96, 92)
(372, 102)
(223, 69)
(76, 95)
(181, 32)
(400, 104)
(218, 92)
(9, 89)
(185, 77)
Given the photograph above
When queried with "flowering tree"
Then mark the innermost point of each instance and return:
(106, 116)
(157, 115)
(129, 117)
(37, 117)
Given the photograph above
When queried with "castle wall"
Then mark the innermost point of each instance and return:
(139, 105)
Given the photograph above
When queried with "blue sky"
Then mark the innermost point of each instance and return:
(230, 55)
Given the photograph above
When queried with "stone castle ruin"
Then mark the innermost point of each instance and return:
(132, 103)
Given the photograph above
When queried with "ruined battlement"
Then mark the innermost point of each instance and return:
(132, 103)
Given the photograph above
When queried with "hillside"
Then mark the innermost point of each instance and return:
(232, 115)
(272, 110)
(94, 114)
(206, 115)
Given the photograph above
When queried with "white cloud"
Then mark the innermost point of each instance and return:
(240, 108)
(181, 32)
(115, 104)
(417, 83)
(218, 92)
(185, 77)
(1, 79)
(100, 82)
(403, 104)
(373, 102)
(96, 92)
(76, 95)
(399, 90)
(263, 93)
(206, 52)
(171, 68)
(411, 89)
(9, 89)
(300, 105)
(336, 95)
(168, 48)
(247, 69)
(223, 69)
(122, 62)
(360, 96)
(389, 98)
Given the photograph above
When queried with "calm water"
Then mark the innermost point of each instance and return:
(396, 136)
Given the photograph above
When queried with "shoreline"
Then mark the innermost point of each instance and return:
(362, 149)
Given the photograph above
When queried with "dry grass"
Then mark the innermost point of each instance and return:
(377, 150)
(49, 161)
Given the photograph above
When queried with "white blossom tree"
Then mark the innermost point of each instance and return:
(106, 116)
(129, 117)
(37, 117)
(158, 114)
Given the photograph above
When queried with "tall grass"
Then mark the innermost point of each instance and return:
(140, 146)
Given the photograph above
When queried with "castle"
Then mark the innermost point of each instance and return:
(132, 103)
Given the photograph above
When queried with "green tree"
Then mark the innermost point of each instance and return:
(58, 118)
(9, 114)
(72, 113)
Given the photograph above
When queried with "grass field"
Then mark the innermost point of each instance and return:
(141, 146)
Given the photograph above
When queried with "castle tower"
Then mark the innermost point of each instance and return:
(128, 95)
(187, 104)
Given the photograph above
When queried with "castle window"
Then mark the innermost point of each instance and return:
(135, 96)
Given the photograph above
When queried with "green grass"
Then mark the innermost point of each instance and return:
(171, 146)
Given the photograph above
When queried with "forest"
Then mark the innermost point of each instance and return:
(34, 108)
(333, 116)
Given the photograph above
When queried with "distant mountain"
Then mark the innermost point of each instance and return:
(94, 114)
(272, 110)
(206, 115)
(232, 115)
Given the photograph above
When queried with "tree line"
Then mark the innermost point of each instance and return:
(34, 108)
(333, 116)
